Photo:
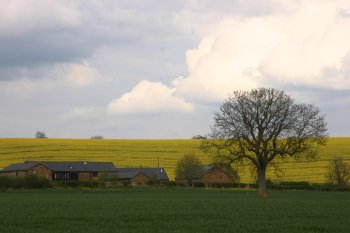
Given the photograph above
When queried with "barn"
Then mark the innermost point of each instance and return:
(142, 176)
(214, 174)
(210, 174)
(78, 170)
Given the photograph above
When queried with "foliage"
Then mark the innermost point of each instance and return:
(188, 168)
(199, 137)
(338, 172)
(261, 125)
(78, 184)
(172, 210)
(40, 134)
(26, 182)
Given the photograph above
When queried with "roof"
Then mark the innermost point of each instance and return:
(62, 166)
(207, 168)
(152, 173)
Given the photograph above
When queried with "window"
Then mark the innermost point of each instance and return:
(65, 176)
(94, 174)
(34, 171)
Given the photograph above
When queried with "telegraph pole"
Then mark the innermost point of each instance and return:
(158, 171)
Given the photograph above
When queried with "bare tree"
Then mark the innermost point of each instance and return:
(261, 125)
(338, 172)
(188, 168)
(40, 134)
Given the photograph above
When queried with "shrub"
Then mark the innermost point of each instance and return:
(198, 185)
(338, 172)
(5, 183)
(28, 182)
(225, 185)
(77, 184)
(36, 182)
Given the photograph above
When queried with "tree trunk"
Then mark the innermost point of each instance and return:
(262, 190)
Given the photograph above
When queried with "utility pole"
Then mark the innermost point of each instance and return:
(158, 171)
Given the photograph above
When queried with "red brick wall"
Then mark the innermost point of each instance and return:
(19, 173)
(84, 176)
(216, 175)
(41, 171)
(140, 179)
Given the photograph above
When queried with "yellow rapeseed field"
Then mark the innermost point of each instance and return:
(136, 153)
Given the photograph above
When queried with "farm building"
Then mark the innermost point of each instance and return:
(80, 170)
(142, 176)
(212, 174)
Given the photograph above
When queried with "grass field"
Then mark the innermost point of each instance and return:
(135, 153)
(173, 210)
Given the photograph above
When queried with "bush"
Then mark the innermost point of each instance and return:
(36, 182)
(78, 184)
(28, 182)
(290, 185)
(198, 185)
(5, 183)
(126, 183)
(171, 183)
(225, 185)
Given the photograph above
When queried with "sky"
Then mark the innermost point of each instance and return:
(160, 69)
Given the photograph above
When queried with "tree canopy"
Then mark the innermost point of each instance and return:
(262, 124)
(188, 168)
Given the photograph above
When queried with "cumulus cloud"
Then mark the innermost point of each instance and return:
(303, 45)
(149, 97)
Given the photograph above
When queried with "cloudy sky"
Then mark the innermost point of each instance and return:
(159, 69)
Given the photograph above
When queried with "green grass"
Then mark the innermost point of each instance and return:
(135, 153)
(173, 210)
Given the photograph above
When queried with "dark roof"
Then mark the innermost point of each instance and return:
(152, 173)
(207, 168)
(18, 167)
(63, 166)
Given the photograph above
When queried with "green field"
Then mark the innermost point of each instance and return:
(135, 153)
(173, 210)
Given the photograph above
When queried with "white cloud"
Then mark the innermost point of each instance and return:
(228, 59)
(149, 97)
(305, 44)
(81, 75)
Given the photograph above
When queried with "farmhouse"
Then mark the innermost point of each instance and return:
(142, 176)
(211, 174)
(214, 174)
(81, 170)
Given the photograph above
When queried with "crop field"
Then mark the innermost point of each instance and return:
(136, 153)
(173, 210)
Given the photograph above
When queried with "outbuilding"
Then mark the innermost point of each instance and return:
(142, 176)
(77, 170)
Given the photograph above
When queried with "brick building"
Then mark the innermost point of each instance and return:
(80, 170)
(142, 176)
(210, 174)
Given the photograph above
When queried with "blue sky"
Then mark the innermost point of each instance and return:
(159, 69)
